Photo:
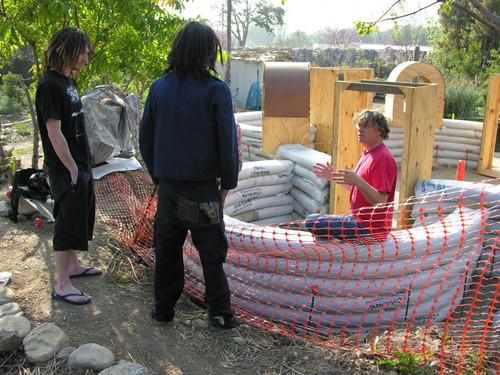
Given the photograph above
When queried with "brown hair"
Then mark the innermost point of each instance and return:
(64, 48)
(377, 119)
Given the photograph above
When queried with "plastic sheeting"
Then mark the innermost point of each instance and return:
(112, 118)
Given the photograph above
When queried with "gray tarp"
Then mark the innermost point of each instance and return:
(112, 118)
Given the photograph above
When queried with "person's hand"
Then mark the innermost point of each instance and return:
(74, 176)
(223, 195)
(345, 176)
(324, 171)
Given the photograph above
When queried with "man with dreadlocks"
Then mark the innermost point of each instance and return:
(188, 142)
(67, 158)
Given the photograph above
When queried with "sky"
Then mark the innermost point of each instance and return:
(314, 15)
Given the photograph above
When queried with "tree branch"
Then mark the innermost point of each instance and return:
(485, 21)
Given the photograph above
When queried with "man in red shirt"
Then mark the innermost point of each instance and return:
(372, 186)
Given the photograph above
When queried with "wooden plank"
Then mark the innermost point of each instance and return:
(371, 87)
(490, 127)
(346, 148)
(277, 131)
(321, 106)
(418, 138)
(322, 99)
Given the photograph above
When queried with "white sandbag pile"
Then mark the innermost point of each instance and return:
(263, 193)
(310, 193)
(251, 136)
(456, 140)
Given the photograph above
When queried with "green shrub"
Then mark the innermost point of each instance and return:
(12, 97)
(463, 99)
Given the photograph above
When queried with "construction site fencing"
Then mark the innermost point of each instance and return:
(429, 291)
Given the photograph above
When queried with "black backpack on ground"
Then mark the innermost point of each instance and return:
(29, 183)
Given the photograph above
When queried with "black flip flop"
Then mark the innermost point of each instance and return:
(86, 274)
(64, 298)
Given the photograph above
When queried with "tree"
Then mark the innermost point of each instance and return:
(476, 9)
(338, 37)
(245, 13)
(130, 38)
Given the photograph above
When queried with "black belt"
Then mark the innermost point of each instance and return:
(192, 183)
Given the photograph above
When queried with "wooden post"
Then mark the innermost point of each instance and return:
(490, 127)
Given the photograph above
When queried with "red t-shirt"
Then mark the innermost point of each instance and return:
(378, 168)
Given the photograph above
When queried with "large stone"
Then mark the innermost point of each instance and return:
(10, 308)
(13, 329)
(6, 295)
(91, 357)
(5, 209)
(125, 368)
(44, 342)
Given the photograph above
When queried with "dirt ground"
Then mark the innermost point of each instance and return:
(118, 317)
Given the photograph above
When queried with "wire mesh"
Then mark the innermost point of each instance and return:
(430, 289)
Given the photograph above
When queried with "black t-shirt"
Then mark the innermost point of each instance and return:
(57, 98)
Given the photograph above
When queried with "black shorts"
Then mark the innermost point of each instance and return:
(74, 210)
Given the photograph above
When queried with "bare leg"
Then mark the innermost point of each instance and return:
(65, 260)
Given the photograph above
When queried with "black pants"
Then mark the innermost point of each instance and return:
(179, 211)
(74, 209)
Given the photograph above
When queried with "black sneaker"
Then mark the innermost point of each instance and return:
(224, 322)
(161, 319)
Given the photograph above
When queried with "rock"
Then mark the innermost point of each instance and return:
(44, 342)
(10, 308)
(64, 353)
(91, 357)
(239, 340)
(125, 368)
(5, 209)
(201, 324)
(13, 329)
(6, 295)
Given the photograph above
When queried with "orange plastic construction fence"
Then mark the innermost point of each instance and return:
(430, 289)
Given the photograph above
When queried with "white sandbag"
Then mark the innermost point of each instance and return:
(320, 196)
(302, 155)
(273, 179)
(245, 140)
(309, 175)
(438, 138)
(265, 212)
(462, 124)
(254, 157)
(251, 130)
(274, 220)
(308, 203)
(248, 116)
(300, 210)
(257, 203)
(462, 133)
(460, 147)
(234, 197)
(264, 168)
(247, 150)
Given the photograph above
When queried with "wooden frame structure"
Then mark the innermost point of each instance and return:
(419, 128)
